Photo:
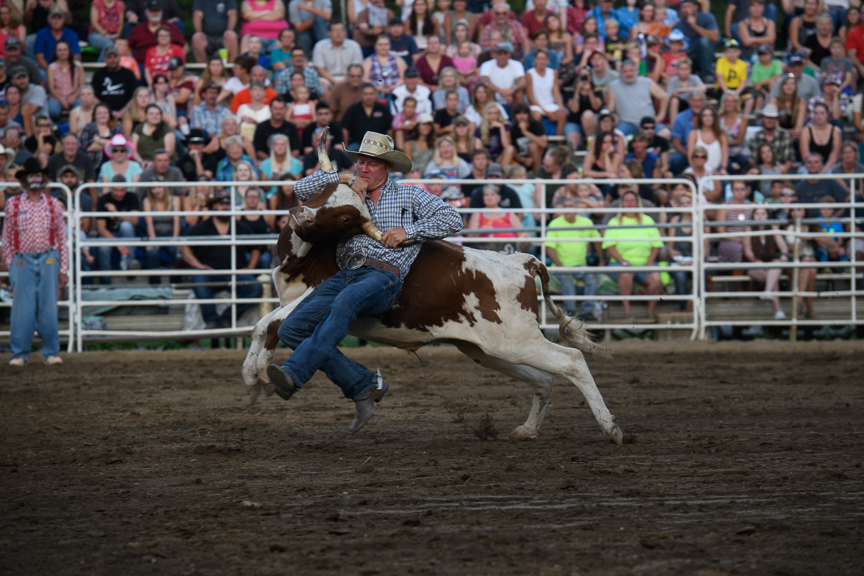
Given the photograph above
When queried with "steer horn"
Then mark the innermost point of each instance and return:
(323, 158)
(372, 231)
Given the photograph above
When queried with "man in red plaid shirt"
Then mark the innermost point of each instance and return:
(34, 250)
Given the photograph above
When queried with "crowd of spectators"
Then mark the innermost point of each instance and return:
(468, 90)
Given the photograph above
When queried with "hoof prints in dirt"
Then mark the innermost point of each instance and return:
(748, 461)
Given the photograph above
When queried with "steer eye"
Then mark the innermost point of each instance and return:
(345, 219)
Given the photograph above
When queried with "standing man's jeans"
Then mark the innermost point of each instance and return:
(323, 319)
(702, 54)
(208, 311)
(568, 288)
(103, 256)
(34, 303)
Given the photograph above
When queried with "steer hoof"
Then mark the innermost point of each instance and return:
(523, 433)
(616, 435)
(260, 387)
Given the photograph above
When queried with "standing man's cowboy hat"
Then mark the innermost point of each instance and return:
(8, 152)
(31, 166)
(380, 146)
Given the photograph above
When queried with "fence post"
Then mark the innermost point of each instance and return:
(793, 329)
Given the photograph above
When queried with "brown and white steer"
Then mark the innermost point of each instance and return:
(482, 302)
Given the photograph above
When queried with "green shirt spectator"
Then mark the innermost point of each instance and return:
(635, 252)
(571, 253)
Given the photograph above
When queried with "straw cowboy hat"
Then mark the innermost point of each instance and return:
(8, 152)
(380, 146)
(119, 140)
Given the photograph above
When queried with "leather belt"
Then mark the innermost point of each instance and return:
(382, 266)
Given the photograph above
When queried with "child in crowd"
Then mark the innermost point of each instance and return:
(279, 57)
(126, 59)
(526, 191)
(615, 45)
(404, 122)
(765, 73)
(301, 111)
(675, 53)
(255, 46)
(466, 65)
(681, 87)
(634, 54)
(839, 63)
(654, 63)
(776, 192)
(732, 74)
(829, 247)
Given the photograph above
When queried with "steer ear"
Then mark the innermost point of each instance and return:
(323, 158)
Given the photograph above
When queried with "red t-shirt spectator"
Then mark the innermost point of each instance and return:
(855, 41)
(158, 63)
(530, 23)
(141, 39)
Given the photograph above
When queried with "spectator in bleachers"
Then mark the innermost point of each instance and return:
(543, 92)
(383, 69)
(631, 97)
(625, 253)
(341, 160)
(257, 223)
(650, 162)
(461, 33)
(681, 129)
(849, 164)
(12, 140)
(158, 199)
(822, 137)
(603, 160)
(432, 63)
(732, 75)
(279, 57)
(772, 134)
(70, 154)
(855, 43)
(97, 134)
(280, 165)
(534, 20)
(460, 14)
(541, 42)
(65, 78)
(840, 66)
(298, 63)
(208, 115)
(214, 24)
(504, 76)
(367, 115)
(254, 48)
(323, 118)
(347, 93)
(829, 248)
(700, 28)
(310, 19)
(831, 96)
(143, 36)
(158, 56)
(755, 30)
(528, 137)
(196, 162)
(818, 45)
(493, 218)
(135, 113)
(276, 124)
(420, 143)
(731, 246)
(707, 134)
(46, 38)
(446, 161)
(119, 152)
(511, 31)
(812, 191)
(215, 73)
(806, 86)
(680, 252)
(766, 160)
(586, 103)
(265, 19)
(370, 23)
(493, 133)
(420, 24)
(10, 25)
(766, 72)
(448, 81)
(444, 117)
(244, 96)
(242, 76)
(219, 258)
(113, 84)
(164, 100)
(405, 121)
(106, 23)
(564, 253)
(234, 153)
(119, 201)
(412, 89)
(81, 114)
(137, 12)
(333, 56)
(402, 44)
(41, 143)
(765, 248)
(481, 96)
(14, 59)
(152, 135)
(710, 189)
(255, 111)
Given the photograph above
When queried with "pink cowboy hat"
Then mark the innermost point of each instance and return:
(119, 140)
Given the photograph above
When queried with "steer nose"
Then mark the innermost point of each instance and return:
(302, 216)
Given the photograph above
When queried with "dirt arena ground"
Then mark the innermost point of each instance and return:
(738, 459)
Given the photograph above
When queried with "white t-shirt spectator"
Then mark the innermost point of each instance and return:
(504, 78)
(234, 85)
(421, 94)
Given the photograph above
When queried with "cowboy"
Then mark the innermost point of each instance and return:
(34, 250)
(370, 273)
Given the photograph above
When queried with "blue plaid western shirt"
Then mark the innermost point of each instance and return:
(423, 215)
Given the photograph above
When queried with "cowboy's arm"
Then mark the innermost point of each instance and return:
(314, 183)
(435, 218)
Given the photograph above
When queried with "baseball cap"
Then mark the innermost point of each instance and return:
(676, 36)
(495, 170)
(175, 62)
(647, 121)
(425, 119)
(765, 49)
(731, 43)
(795, 60)
(395, 21)
(652, 40)
(460, 120)
(451, 192)
(211, 85)
(111, 51)
(196, 136)
(56, 11)
(412, 73)
(13, 42)
(2, 62)
(68, 168)
(831, 79)
(153, 5)
(437, 174)
(505, 46)
(770, 111)
(18, 71)
(220, 196)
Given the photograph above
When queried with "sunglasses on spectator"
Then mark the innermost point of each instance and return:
(787, 195)
(699, 156)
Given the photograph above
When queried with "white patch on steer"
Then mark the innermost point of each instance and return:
(346, 196)
(299, 247)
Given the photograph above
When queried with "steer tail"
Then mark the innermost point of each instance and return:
(572, 330)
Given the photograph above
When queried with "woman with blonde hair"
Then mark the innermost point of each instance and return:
(227, 128)
(243, 172)
(82, 114)
(481, 95)
(160, 199)
(136, 113)
(734, 124)
(447, 81)
(446, 161)
(494, 135)
(791, 107)
(281, 165)
(10, 24)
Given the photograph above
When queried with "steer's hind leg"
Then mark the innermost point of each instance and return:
(542, 382)
(250, 370)
(271, 337)
(570, 363)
